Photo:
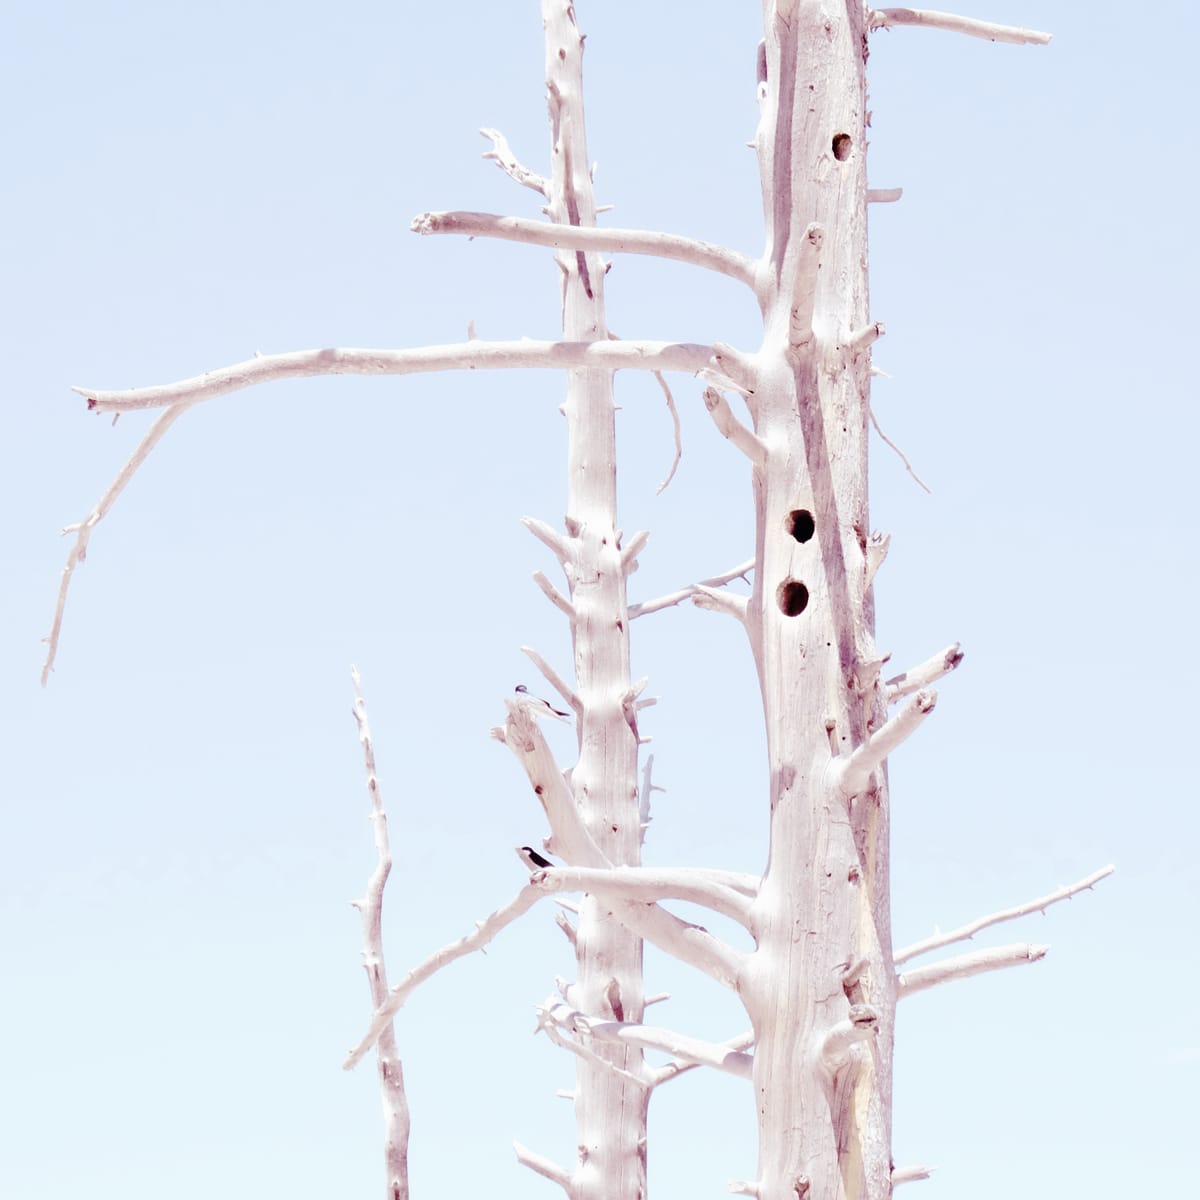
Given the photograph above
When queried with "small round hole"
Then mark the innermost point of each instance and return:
(801, 525)
(793, 597)
(842, 145)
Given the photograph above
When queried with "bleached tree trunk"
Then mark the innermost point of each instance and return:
(819, 986)
(610, 1100)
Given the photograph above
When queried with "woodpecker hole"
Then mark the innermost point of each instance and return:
(842, 145)
(801, 524)
(792, 597)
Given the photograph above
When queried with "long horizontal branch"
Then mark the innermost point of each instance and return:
(483, 933)
(965, 932)
(885, 18)
(962, 966)
(650, 883)
(460, 356)
(578, 237)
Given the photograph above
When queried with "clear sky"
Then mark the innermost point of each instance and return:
(184, 807)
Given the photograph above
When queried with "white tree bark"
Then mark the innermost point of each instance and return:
(821, 985)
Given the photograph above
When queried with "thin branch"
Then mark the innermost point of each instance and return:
(680, 1066)
(852, 774)
(730, 427)
(902, 456)
(460, 356)
(964, 965)
(391, 1071)
(886, 18)
(922, 675)
(644, 817)
(590, 238)
(678, 429)
(966, 932)
(503, 157)
(553, 678)
(723, 602)
(544, 1167)
(548, 1026)
(693, 885)
(83, 531)
(722, 1057)
(673, 598)
(884, 195)
(483, 933)
(554, 595)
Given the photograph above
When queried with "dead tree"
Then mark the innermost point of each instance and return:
(821, 984)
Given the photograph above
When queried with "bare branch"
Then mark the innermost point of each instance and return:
(553, 678)
(861, 339)
(876, 552)
(391, 1071)
(644, 817)
(662, 382)
(83, 531)
(922, 675)
(460, 356)
(630, 551)
(733, 429)
(910, 1174)
(966, 932)
(886, 18)
(503, 157)
(673, 598)
(697, 1051)
(900, 453)
(682, 1065)
(884, 195)
(717, 601)
(549, 537)
(554, 595)
(590, 238)
(859, 1025)
(852, 774)
(964, 965)
(543, 1167)
(549, 1027)
(740, 369)
(693, 885)
(484, 932)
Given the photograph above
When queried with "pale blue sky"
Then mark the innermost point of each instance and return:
(184, 817)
